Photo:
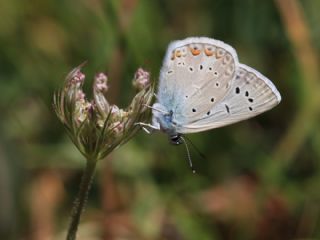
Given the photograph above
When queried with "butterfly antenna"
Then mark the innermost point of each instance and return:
(188, 153)
(195, 147)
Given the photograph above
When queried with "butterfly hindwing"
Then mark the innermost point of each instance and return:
(250, 94)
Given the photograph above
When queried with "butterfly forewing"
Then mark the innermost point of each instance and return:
(196, 74)
(250, 94)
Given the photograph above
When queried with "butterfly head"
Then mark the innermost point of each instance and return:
(176, 139)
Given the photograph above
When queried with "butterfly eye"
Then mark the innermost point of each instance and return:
(176, 140)
(212, 99)
(194, 110)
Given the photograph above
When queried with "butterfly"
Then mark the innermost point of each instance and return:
(203, 86)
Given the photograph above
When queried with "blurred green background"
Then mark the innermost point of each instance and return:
(261, 178)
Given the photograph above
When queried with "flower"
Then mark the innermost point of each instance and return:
(95, 126)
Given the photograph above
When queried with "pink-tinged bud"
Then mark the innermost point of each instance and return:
(75, 77)
(100, 87)
(80, 95)
(141, 79)
(115, 110)
(82, 110)
(117, 127)
(73, 86)
(78, 78)
(115, 113)
(118, 114)
(101, 82)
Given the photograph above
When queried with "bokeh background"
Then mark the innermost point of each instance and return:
(260, 178)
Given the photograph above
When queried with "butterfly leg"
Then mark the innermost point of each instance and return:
(156, 109)
(148, 128)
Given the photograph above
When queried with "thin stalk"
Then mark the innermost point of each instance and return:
(81, 199)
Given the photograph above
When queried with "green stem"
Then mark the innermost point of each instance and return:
(80, 201)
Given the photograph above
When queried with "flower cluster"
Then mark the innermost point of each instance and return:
(96, 127)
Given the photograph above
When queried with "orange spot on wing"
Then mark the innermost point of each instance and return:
(178, 53)
(208, 51)
(195, 51)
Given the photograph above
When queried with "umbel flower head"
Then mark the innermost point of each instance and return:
(95, 126)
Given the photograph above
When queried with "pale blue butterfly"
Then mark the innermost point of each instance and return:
(203, 86)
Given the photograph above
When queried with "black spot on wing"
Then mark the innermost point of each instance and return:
(227, 108)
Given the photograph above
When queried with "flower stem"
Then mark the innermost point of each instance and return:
(80, 201)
